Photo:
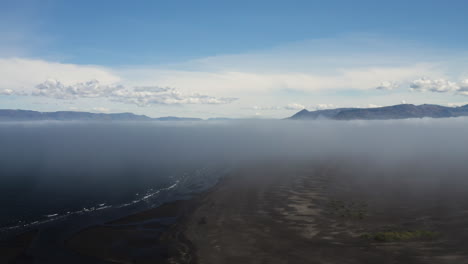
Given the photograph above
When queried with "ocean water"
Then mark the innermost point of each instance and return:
(51, 171)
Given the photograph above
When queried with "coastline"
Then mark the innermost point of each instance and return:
(49, 242)
(315, 212)
(284, 212)
(165, 225)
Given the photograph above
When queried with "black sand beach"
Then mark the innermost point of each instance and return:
(283, 212)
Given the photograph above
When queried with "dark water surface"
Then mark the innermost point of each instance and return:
(52, 171)
(61, 170)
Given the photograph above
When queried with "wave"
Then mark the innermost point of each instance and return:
(98, 207)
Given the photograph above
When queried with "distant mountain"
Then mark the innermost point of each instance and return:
(221, 119)
(27, 115)
(174, 118)
(401, 111)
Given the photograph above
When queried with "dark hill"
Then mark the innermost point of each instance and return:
(27, 115)
(401, 111)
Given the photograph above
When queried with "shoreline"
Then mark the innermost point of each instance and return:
(29, 249)
(283, 212)
(304, 212)
(165, 223)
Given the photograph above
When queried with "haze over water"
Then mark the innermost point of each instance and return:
(51, 169)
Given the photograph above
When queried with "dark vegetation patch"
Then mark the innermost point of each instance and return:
(350, 210)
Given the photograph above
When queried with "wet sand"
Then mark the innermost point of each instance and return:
(138, 238)
(293, 212)
(15, 250)
(300, 214)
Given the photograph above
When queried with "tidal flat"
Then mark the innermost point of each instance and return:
(293, 212)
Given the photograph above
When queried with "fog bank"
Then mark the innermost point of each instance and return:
(47, 165)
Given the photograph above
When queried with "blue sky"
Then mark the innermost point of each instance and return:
(231, 58)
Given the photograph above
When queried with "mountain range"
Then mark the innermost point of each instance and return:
(27, 115)
(401, 111)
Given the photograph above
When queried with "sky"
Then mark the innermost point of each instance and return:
(241, 59)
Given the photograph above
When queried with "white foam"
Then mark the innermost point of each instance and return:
(101, 206)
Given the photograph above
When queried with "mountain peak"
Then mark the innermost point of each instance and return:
(400, 111)
(28, 115)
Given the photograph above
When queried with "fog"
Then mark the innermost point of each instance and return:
(60, 162)
(103, 144)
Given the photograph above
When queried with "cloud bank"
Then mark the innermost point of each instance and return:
(294, 106)
(141, 96)
(387, 86)
(341, 71)
(25, 77)
(439, 86)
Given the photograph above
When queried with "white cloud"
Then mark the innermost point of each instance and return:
(440, 86)
(457, 104)
(101, 109)
(141, 96)
(324, 106)
(386, 85)
(291, 106)
(6, 92)
(463, 90)
(215, 80)
(12, 92)
(294, 106)
(313, 71)
(229, 82)
(256, 107)
(21, 74)
(90, 89)
(26, 77)
(436, 85)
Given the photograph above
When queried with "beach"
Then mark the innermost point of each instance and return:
(287, 212)
(303, 214)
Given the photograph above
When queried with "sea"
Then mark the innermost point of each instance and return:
(85, 172)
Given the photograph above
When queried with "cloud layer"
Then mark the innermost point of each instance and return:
(141, 96)
(294, 106)
(439, 86)
(386, 85)
(91, 89)
(317, 74)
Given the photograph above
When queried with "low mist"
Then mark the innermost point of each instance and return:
(59, 162)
